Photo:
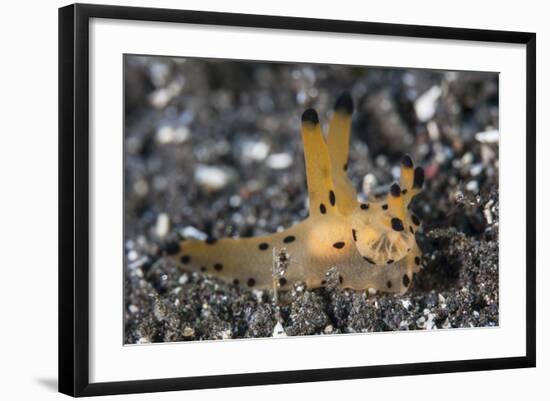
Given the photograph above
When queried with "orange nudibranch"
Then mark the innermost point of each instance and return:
(371, 244)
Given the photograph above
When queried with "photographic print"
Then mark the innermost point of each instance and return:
(236, 196)
(269, 199)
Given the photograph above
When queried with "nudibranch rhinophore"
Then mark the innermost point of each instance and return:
(371, 244)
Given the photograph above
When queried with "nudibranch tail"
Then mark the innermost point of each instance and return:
(244, 262)
(370, 244)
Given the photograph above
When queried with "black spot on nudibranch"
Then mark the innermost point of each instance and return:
(236, 281)
(251, 282)
(389, 262)
(263, 246)
(346, 167)
(171, 248)
(385, 206)
(395, 190)
(282, 281)
(406, 280)
(369, 260)
(411, 229)
(322, 208)
(218, 267)
(211, 241)
(332, 197)
(415, 220)
(364, 206)
(310, 116)
(354, 234)
(203, 269)
(417, 261)
(289, 239)
(403, 192)
(339, 245)
(397, 224)
(340, 278)
(388, 284)
(185, 259)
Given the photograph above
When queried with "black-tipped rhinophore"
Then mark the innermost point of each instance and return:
(310, 116)
(418, 177)
(344, 103)
(407, 161)
(395, 190)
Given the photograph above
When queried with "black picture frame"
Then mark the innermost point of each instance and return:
(74, 198)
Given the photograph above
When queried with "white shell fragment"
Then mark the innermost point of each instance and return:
(279, 161)
(255, 150)
(163, 225)
(369, 183)
(426, 105)
(191, 232)
(170, 134)
(279, 331)
(211, 178)
(490, 136)
(472, 186)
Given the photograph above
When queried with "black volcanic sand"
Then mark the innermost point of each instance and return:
(185, 115)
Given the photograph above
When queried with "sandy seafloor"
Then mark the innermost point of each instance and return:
(214, 149)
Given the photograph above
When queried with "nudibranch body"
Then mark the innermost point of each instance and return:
(371, 244)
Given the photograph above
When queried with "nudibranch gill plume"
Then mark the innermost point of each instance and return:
(371, 244)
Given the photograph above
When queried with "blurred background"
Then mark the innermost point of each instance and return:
(213, 148)
(216, 144)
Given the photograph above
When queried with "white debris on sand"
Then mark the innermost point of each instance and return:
(211, 178)
(279, 331)
(184, 278)
(369, 183)
(254, 150)
(487, 212)
(170, 134)
(188, 332)
(279, 161)
(426, 104)
(161, 97)
(193, 233)
(406, 303)
(163, 225)
(472, 186)
(141, 188)
(490, 136)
